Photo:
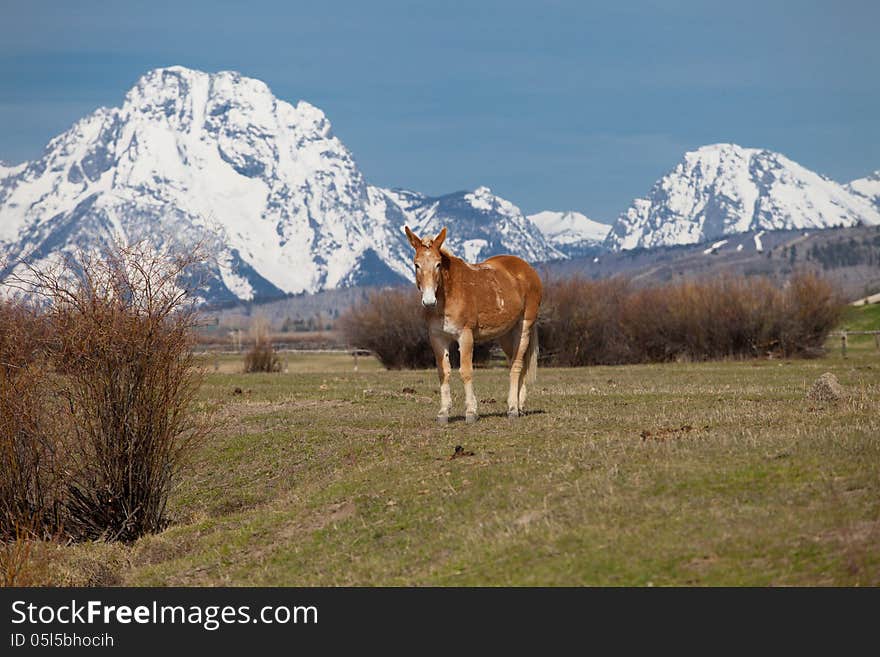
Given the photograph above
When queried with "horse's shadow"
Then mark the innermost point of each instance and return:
(461, 418)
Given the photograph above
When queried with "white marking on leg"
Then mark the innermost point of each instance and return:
(516, 371)
(444, 371)
(466, 347)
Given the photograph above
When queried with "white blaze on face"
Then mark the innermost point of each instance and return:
(429, 296)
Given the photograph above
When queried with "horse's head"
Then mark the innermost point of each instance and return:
(428, 261)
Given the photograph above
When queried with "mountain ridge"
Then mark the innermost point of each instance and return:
(280, 204)
(262, 184)
(724, 189)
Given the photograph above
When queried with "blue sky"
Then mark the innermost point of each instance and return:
(555, 105)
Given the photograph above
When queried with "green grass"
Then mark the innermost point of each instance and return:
(708, 474)
(862, 318)
(859, 318)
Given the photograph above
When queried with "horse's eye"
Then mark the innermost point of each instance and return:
(437, 266)
(417, 267)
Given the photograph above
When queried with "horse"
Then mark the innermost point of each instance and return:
(497, 299)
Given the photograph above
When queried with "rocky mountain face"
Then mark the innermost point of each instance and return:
(725, 189)
(263, 185)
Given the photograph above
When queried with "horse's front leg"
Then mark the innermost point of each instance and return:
(440, 345)
(466, 347)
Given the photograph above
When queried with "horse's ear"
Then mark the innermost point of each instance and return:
(411, 236)
(438, 241)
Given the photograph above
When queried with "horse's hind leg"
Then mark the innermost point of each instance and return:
(517, 382)
(466, 347)
(510, 344)
(440, 346)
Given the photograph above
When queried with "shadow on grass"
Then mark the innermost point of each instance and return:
(460, 418)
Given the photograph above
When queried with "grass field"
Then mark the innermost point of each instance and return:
(705, 473)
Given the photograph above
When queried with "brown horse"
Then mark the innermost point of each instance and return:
(494, 300)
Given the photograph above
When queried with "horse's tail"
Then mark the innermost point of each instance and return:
(530, 359)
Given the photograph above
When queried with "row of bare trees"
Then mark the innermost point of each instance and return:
(613, 321)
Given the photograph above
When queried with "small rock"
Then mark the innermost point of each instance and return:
(826, 388)
(408, 391)
(237, 391)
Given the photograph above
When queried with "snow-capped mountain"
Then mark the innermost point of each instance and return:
(480, 224)
(573, 233)
(724, 189)
(262, 184)
(867, 187)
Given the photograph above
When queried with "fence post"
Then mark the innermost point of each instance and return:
(355, 352)
(843, 344)
(877, 340)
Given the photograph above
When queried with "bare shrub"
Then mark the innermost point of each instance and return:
(261, 357)
(30, 499)
(813, 307)
(391, 324)
(121, 332)
(586, 322)
(580, 322)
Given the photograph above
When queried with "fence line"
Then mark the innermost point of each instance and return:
(844, 335)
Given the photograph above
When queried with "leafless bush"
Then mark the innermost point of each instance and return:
(812, 308)
(390, 323)
(30, 500)
(587, 322)
(581, 322)
(119, 336)
(261, 357)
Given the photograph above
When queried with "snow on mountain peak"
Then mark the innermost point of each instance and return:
(721, 189)
(868, 188)
(480, 224)
(571, 232)
(191, 157)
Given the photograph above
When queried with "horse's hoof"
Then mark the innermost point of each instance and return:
(442, 419)
(512, 414)
(471, 419)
